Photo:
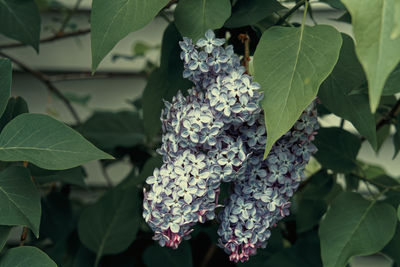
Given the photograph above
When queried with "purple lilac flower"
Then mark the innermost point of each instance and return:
(217, 134)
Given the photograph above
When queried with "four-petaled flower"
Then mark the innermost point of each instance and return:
(210, 42)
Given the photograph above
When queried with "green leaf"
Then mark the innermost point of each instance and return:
(318, 186)
(4, 233)
(26, 256)
(382, 134)
(377, 45)
(309, 213)
(304, 253)
(20, 20)
(335, 4)
(58, 220)
(84, 258)
(248, 12)
(336, 190)
(5, 80)
(108, 130)
(355, 226)
(45, 142)
(334, 92)
(168, 257)
(74, 176)
(392, 249)
(339, 156)
(392, 83)
(164, 82)
(19, 199)
(371, 171)
(15, 107)
(109, 226)
(290, 64)
(194, 17)
(112, 22)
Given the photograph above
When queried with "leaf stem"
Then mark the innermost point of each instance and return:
(305, 14)
(290, 12)
(50, 86)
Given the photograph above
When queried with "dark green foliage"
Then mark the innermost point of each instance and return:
(345, 207)
(339, 156)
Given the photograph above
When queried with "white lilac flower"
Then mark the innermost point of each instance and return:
(210, 42)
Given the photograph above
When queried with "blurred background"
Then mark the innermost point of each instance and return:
(120, 80)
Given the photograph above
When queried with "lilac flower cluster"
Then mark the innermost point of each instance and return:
(217, 134)
(262, 197)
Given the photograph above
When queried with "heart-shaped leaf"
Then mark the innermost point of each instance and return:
(376, 31)
(112, 22)
(110, 225)
(194, 17)
(355, 226)
(290, 64)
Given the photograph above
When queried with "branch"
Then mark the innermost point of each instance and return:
(99, 75)
(23, 237)
(46, 80)
(245, 39)
(290, 12)
(55, 37)
(391, 115)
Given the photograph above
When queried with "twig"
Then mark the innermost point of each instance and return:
(55, 37)
(45, 79)
(68, 17)
(245, 39)
(88, 76)
(290, 12)
(208, 256)
(391, 115)
(24, 235)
